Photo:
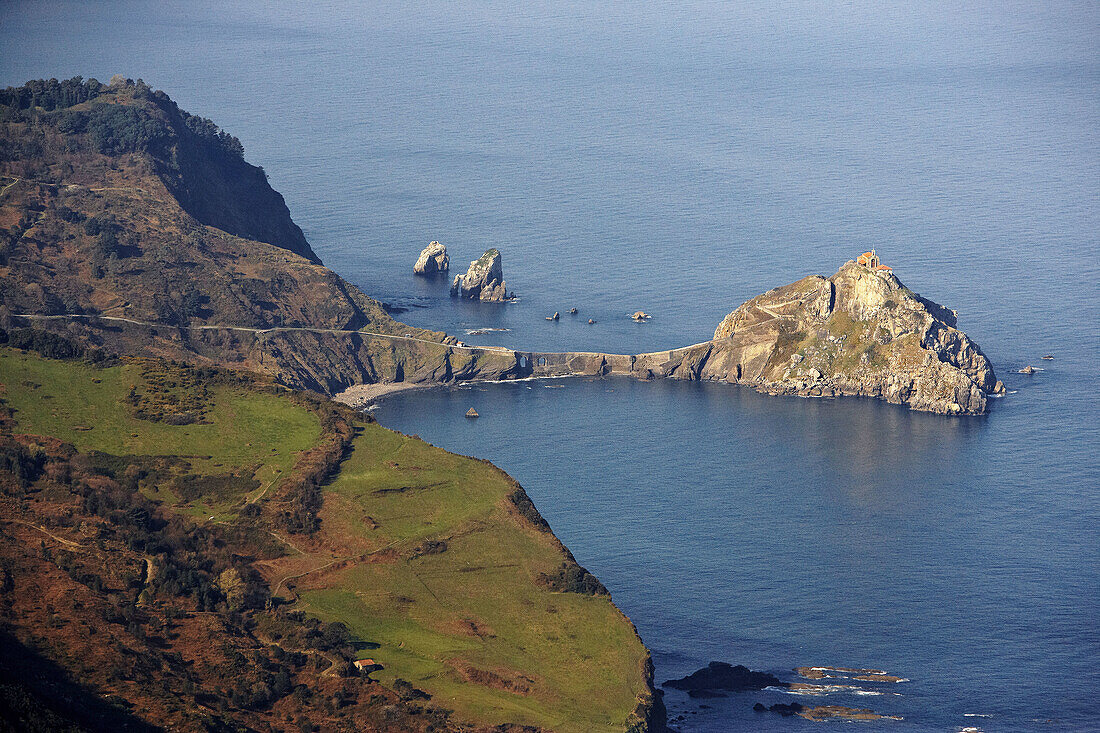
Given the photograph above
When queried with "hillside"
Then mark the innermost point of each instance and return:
(116, 204)
(192, 549)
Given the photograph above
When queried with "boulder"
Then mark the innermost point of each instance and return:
(640, 316)
(433, 260)
(1028, 370)
(472, 413)
(483, 281)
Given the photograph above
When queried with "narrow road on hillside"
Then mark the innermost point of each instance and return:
(248, 329)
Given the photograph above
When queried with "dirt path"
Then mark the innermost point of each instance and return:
(51, 535)
(4, 190)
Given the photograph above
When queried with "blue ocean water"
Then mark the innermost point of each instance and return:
(680, 159)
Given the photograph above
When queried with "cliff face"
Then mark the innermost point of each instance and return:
(225, 191)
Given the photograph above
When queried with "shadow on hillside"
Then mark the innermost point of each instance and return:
(38, 696)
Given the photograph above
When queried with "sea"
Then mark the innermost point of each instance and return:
(679, 158)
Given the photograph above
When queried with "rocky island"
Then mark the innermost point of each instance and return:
(484, 280)
(433, 260)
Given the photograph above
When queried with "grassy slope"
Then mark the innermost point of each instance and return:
(245, 431)
(571, 661)
(469, 625)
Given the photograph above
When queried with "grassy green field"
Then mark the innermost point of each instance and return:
(245, 431)
(469, 624)
(437, 566)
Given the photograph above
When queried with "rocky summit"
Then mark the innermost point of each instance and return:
(858, 332)
(483, 281)
(433, 260)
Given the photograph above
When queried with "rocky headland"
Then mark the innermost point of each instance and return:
(433, 260)
(484, 280)
(860, 332)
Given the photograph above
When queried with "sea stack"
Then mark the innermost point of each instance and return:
(483, 281)
(433, 260)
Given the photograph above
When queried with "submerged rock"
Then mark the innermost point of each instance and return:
(484, 280)
(1028, 370)
(822, 712)
(433, 260)
(723, 676)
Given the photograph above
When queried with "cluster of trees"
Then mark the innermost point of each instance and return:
(23, 463)
(207, 130)
(51, 94)
(112, 128)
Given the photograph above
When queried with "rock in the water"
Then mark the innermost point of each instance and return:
(573, 312)
(822, 712)
(1048, 356)
(640, 316)
(433, 260)
(999, 388)
(472, 413)
(783, 709)
(556, 316)
(859, 332)
(1028, 370)
(723, 676)
(483, 281)
(590, 321)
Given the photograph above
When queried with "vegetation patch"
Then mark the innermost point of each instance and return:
(216, 488)
(172, 393)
